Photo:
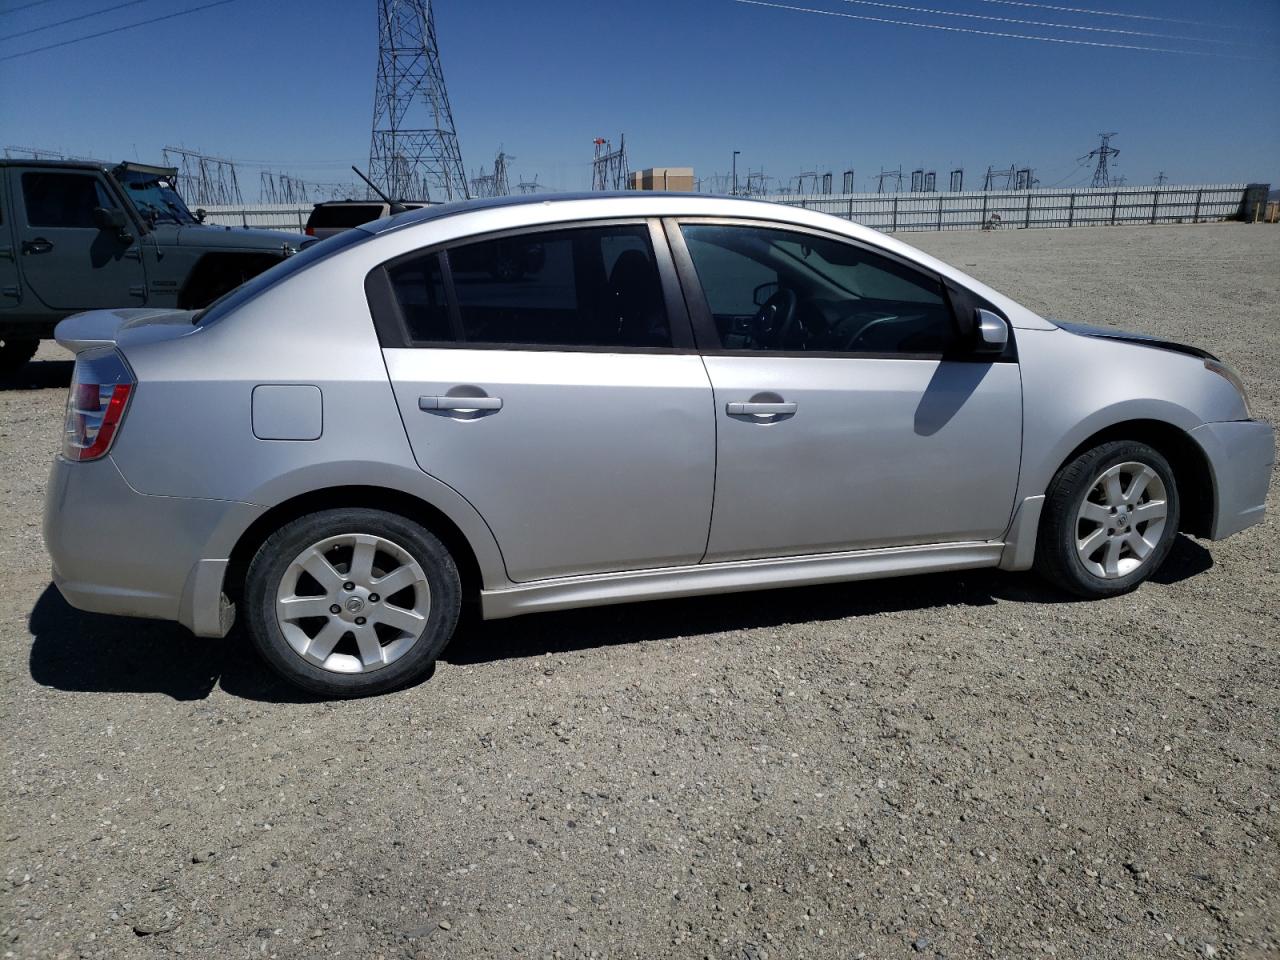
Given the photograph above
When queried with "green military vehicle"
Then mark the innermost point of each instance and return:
(81, 236)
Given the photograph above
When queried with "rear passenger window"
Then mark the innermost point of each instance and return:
(586, 287)
(419, 289)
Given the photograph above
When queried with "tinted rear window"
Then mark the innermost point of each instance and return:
(345, 216)
(419, 289)
(583, 287)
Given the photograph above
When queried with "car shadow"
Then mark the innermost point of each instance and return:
(478, 641)
(93, 653)
(39, 375)
(1186, 559)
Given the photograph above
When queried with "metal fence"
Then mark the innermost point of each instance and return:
(891, 212)
(1007, 209)
(265, 216)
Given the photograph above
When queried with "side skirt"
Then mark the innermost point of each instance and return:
(733, 576)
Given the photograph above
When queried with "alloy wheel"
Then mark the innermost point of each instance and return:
(353, 603)
(1121, 520)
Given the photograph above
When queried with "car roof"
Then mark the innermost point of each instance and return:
(64, 164)
(375, 202)
(629, 203)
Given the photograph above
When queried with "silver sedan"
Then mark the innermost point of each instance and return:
(541, 404)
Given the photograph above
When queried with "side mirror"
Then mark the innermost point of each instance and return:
(201, 213)
(113, 219)
(993, 332)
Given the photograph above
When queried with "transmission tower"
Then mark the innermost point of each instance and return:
(894, 175)
(957, 180)
(609, 170)
(492, 184)
(1161, 179)
(529, 186)
(283, 188)
(32, 153)
(846, 183)
(808, 176)
(1103, 153)
(413, 151)
(1010, 177)
(757, 183)
(206, 181)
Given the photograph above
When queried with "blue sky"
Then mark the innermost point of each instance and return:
(289, 83)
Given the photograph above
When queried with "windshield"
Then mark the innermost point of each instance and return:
(308, 256)
(155, 196)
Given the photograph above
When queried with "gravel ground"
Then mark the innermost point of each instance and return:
(949, 766)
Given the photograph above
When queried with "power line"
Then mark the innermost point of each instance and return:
(1075, 172)
(83, 16)
(1103, 13)
(1033, 23)
(105, 33)
(25, 6)
(985, 33)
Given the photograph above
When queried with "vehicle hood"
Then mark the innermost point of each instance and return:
(234, 238)
(1141, 339)
(106, 328)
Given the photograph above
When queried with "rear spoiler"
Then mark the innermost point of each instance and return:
(102, 328)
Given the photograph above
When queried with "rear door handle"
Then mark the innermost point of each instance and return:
(461, 404)
(738, 409)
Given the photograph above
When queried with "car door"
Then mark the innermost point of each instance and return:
(848, 414)
(68, 262)
(10, 286)
(550, 378)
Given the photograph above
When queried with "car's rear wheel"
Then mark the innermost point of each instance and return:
(1110, 519)
(14, 353)
(354, 602)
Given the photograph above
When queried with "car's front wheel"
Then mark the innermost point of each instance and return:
(1110, 518)
(352, 602)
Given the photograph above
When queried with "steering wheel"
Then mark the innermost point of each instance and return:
(776, 319)
(869, 320)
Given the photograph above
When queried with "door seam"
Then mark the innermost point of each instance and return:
(715, 458)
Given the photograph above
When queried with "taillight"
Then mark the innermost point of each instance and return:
(310, 231)
(100, 389)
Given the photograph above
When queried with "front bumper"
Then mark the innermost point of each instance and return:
(1241, 454)
(118, 551)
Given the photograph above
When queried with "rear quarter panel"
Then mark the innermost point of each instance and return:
(189, 429)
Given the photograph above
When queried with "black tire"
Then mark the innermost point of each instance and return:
(1057, 557)
(14, 354)
(273, 560)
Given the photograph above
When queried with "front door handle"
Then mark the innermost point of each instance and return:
(738, 409)
(460, 404)
(38, 245)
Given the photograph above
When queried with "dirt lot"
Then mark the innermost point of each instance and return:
(950, 766)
